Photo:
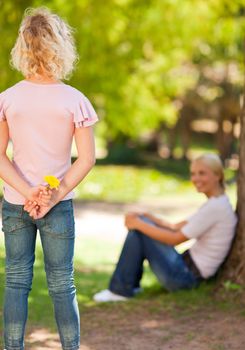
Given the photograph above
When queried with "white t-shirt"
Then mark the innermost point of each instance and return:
(213, 226)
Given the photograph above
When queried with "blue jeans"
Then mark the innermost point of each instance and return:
(57, 237)
(165, 262)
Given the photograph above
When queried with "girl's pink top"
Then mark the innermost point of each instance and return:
(41, 120)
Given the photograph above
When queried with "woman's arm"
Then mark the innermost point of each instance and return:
(164, 235)
(84, 140)
(10, 175)
(165, 224)
(159, 222)
(179, 225)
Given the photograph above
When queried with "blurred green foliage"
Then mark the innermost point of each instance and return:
(137, 57)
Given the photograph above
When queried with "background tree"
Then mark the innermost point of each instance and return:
(234, 268)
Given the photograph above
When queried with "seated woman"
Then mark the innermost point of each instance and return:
(150, 238)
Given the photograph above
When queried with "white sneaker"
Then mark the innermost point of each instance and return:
(106, 296)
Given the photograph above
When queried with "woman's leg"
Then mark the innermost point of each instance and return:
(20, 237)
(167, 264)
(57, 236)
(127, 275)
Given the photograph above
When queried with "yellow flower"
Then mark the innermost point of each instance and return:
(52, 181)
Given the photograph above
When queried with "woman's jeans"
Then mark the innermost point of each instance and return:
(166, 263)
(57, 237)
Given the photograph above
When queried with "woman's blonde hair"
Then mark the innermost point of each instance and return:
(45, 45)
(215, 164)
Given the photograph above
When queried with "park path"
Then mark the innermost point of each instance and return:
(105, 221)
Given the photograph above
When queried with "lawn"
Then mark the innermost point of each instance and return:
(155, 319)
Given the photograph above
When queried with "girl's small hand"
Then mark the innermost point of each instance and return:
(36, 211)
(39, 212)
(41, 195)
(34, 194)
(45, 197)
(30, 206)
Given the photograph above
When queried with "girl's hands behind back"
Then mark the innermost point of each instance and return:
(41, 203)
(36, 211)
(39, 194)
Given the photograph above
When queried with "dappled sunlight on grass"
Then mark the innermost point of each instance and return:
(42, 338)
(88, 283)
(128, 183)
(153, 309)
(131, 183)
(95, 252)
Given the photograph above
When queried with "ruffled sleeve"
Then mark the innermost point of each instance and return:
(2, 115)
(84, 114)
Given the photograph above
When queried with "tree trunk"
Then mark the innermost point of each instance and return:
(234, 267)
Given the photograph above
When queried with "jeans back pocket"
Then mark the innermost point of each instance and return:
(59, 221)
(12, 217)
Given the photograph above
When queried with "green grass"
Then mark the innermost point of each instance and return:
(129, 183)
(94, 263)
(95, 259)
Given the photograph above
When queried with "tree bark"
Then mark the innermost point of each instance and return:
(234, 267)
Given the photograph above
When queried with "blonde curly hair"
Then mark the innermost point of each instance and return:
(45, 45)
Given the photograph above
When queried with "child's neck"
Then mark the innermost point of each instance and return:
(42, 79)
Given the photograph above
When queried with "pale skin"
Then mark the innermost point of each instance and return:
(205, 181)
(40, 199)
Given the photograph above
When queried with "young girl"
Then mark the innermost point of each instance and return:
(150, 238)
(40, 115)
